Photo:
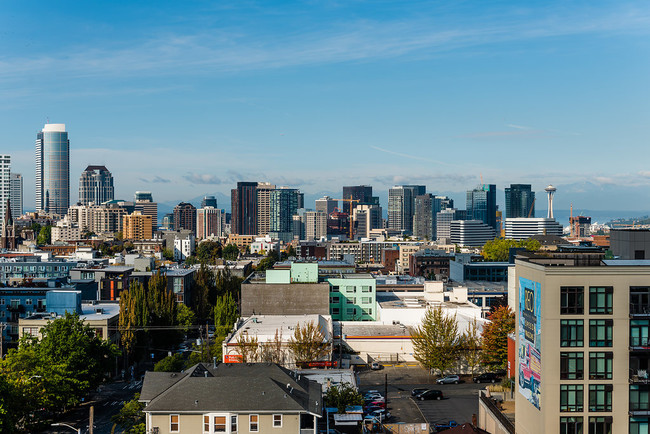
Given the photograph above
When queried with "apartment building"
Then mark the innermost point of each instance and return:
(583, 343)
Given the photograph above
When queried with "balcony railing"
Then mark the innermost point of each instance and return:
(640, 343)
(640, 309)
(639, 376)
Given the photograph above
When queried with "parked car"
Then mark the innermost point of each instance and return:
(371, 408)
(381, 415)
(380, 404)
(417, 391)
(375, 366)
(372, 396)
(445, 426)
(430, 394)
(449, 379)
(488, 377)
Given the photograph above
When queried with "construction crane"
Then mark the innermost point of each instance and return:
(350, 215)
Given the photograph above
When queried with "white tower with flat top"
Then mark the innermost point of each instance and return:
(550, 190)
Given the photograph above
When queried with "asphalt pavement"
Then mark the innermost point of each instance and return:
(459, 404)
(106, 402)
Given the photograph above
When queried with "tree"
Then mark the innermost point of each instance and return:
(291, 252)
(134, 314)
(173, 363)
(185, 317)
(495, 337)
(10, 409)
(56, 372)
(342, 396)
(168, 254)
(45, 235)
(131, 417)
(227, 283)
(230, 252)
(272, 351)
(205, 291)
(208, 251)
(471, 345)
(436, 341)
(247, 346)
(499, 248)
(308, 343)
(162, 308)
(225, 314)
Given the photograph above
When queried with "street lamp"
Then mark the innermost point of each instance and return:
(78, 430)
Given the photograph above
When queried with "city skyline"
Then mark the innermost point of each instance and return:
(317, 96)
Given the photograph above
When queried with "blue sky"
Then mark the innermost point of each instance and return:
(187, 98)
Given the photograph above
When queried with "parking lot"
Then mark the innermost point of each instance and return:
(460, 400)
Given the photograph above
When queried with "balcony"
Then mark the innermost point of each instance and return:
(639, 344)
(639, 310)
(639, 376)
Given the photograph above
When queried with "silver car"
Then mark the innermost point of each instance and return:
(449, 379)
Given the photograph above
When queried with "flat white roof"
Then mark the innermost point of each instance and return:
(54, 128)
(265, 326)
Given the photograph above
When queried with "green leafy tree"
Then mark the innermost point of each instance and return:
(247, 346)
(436, 341)
(205, 292)
(162, 305)
(273, 351)
(499, 248)
(185, 317)
(130, 417)
(205, 353)
(57, 371)
(291, 252)
(134, 314)
(168, 254)
(341, 396)
(227, 283)
(308, 343)
(495, 337)
(225, 314)
(230, 252)
(208, 251)
(173, 363)
(45, 235)
(10, 409)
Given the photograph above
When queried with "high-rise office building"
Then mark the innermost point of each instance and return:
(145, 204)
(185, 217)
(315, 225)
(16, 181)
(471, 233)
(95, 185)
(361, 193)
(482, 204)
(401, 202)
(210, 222)
(263, 195)
(5, 186)
(53, 169)
(326, 204)
(365, 218)
(209, 201)
(284, 205)
(424, 217)
(520, 201)
(244, 209)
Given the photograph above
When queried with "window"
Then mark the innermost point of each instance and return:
(366, 300)
(206, 424)
(600, 332)
(570, 425)
(600, 366)
(572, 300)
(639, 332)
(2, 301)
(335, 289)
(335, 300)
(571, 333)
(600, 299)
(639, 300)
(600, 425)
(233, 423)
(336, 311)
(277, 421)
(639, 425)
(571, 366)
(351, 300)
(600, 397)
(351, 311)
(350, 289)
(174, 422)
(28, 302)
(639, 397)
(253, 422)
(365, 289)
(219, 423)
(571, 397)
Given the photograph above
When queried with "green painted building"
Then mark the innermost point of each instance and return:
(353, 297)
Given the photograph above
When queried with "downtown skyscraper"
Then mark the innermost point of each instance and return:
(96, 185)
(16, 180)
(481, 204)
(53, 169)
(520, 201)
(401, 204)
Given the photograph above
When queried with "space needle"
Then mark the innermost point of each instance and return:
(550, 190)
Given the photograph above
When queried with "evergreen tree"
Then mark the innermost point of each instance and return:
(134, 314)
(225, 314)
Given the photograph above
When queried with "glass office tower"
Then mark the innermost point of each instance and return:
(53, 169)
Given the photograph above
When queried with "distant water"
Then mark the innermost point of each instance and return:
(597, 216)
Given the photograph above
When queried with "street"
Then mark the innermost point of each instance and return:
(106, 403)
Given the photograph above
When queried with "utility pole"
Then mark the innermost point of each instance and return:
(91, 419)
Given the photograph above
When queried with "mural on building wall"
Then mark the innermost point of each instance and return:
(530, 328)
